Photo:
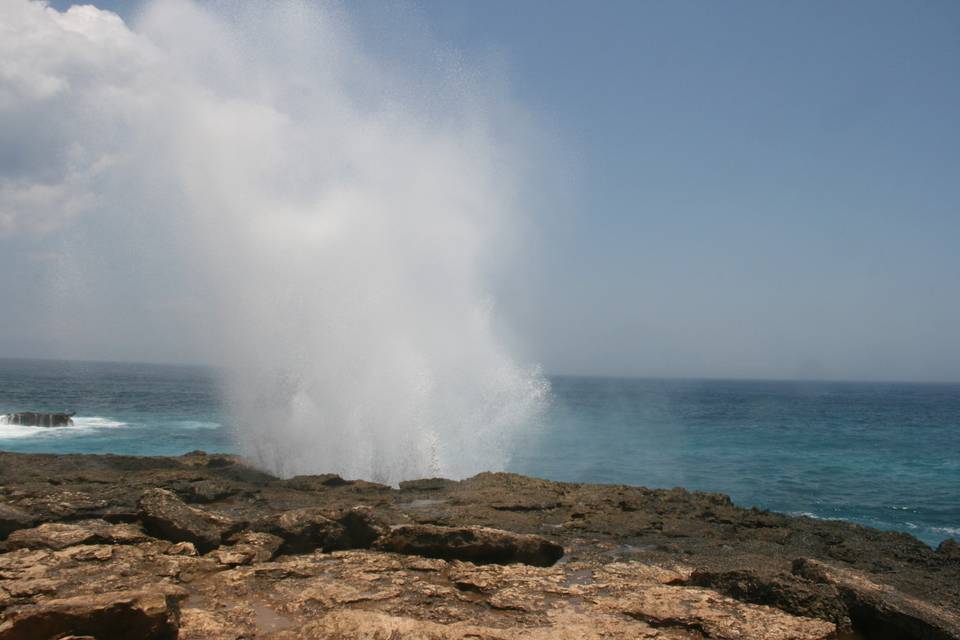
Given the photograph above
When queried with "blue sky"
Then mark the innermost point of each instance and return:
(752, 189)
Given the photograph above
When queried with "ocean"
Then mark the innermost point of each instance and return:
(881, 454)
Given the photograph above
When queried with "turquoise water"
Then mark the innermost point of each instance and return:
(884, 455)
(121, 408)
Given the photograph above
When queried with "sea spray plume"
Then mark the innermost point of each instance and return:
(325, 220)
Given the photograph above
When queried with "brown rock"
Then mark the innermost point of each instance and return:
(206, 491)
(182, 549)
(166, 516)
(362, 526)
(474, 544)
(949, 549)
(303, 530)
(622, 541)
(122, 614)
(59, 535)
(786, 592)
(12, 518)
(717, 616)
(881, 609)
(247, 548)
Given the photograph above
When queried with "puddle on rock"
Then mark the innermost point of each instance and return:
(578, 577)
(267, 619)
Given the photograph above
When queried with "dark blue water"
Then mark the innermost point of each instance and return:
(884, 455)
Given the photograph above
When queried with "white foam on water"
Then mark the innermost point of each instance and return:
(195, 424)
(808, 514)
(82, 425)
(96, 422)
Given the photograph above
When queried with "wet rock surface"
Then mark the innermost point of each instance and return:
(205, 546)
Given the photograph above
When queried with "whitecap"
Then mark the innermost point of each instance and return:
(96, 422)
(81, 425)
(807, 514)
(197, 424)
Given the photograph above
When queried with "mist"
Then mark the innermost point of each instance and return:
(248, 186)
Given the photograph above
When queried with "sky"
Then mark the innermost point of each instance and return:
(738, 189)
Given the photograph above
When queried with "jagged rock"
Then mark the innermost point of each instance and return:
(786, 592)
(166, 516)
(717, 616)
(182, 549)
(881, 609)
(949, 549)
(303, 530)
(427, 484)
(35, 419)
(60, 535)
(123, 614)
(627, 541)
(474, 544)
(248, 547)
(206, 491)
(12, 518)
(362, 526)
(320, 482)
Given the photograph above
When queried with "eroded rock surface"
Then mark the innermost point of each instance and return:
(60, 535)
(475, 544)
(166, 516)
(126, 614)
(206, 547)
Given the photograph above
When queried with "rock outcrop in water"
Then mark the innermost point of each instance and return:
(204, 546)
(34, 419)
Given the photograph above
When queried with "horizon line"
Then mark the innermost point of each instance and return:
(595, 376)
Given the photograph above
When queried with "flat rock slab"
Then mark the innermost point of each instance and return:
(124, 614)
(717, 616)
(474, 544)
(60, 535)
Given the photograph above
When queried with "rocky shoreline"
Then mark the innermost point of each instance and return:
(204, 546)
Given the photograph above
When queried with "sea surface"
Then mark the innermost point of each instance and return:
(884, 455)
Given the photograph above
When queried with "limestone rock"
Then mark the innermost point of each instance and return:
(303, 530)
(206, 491)
(717, 616)
(474, 544)
(362, 526)
(247, 548)
(949, 549)
(364, 625)
(182, 549)
(882, 609)
(786, 592)
(166, 516)
(12, 518)
(60, 535)
(711, 564)
(124, 614)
